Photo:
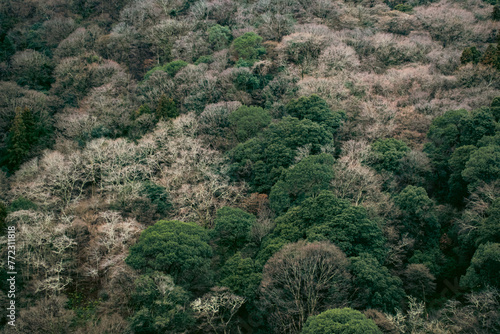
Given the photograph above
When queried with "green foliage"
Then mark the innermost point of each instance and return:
(403, 7)
(144, 109)
(248, 121)
(496, 13)
(470, 55)
(158, 197)
(387, 153)
(3, 216)
(340, 321)
(22, 203)
(305, 179)
(247, 81)
(232, 228)
(241, 276)
(489, 228)
(248, 46)
(33, 69)
(204, 60)
(219, 37)
(326, 217)
(444, 135)
(376, 287)
(316, 109)
(159, 305)
(174, 67)
(173, 247)
(419, 218)
(261, 160)
(18, 146)
(171, 68)
(270, 245)
(482, 167)
(434, 259)
(495, 108)
(484, 267)
(477, 124)
(456, 183)
(7, 47)
(166, 108)
(84, 307)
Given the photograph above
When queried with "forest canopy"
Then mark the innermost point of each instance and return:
(271, 166)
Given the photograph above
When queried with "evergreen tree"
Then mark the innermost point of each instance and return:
(470, 55)
(3, 216)
(340, 321)
(29, 123)
(18, 146)
(496, 13)
(166, 108)
(495, 108)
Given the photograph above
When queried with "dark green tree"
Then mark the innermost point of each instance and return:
(495, 108)
(418, 217)
(248, 121)
(340, 321)
(326, 217)
(172, 247)
(489, 227)
(484, 267)
(22, 203)
(316, 109)
(305, 179)
(470, 55)
(3, 216)
(159, 305)
(248, 46)
(158, 197)
(496, 13)
(174, 67)
(444, 136)
(166, 108)
(387, 153)
(261, 160)
(241, 276)
(219, 37)
(477, 124)
(232, 228)
(482, 167)
(376, 287)
(18, 146)
(31, 129)
(456, 183)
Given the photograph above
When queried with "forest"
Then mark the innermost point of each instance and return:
(250, 166)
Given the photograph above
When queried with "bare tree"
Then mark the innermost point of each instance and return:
(217, 308)
(304, 279)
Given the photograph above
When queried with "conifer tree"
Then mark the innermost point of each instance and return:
(18, 147)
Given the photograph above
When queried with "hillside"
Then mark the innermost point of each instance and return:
(250, 166)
